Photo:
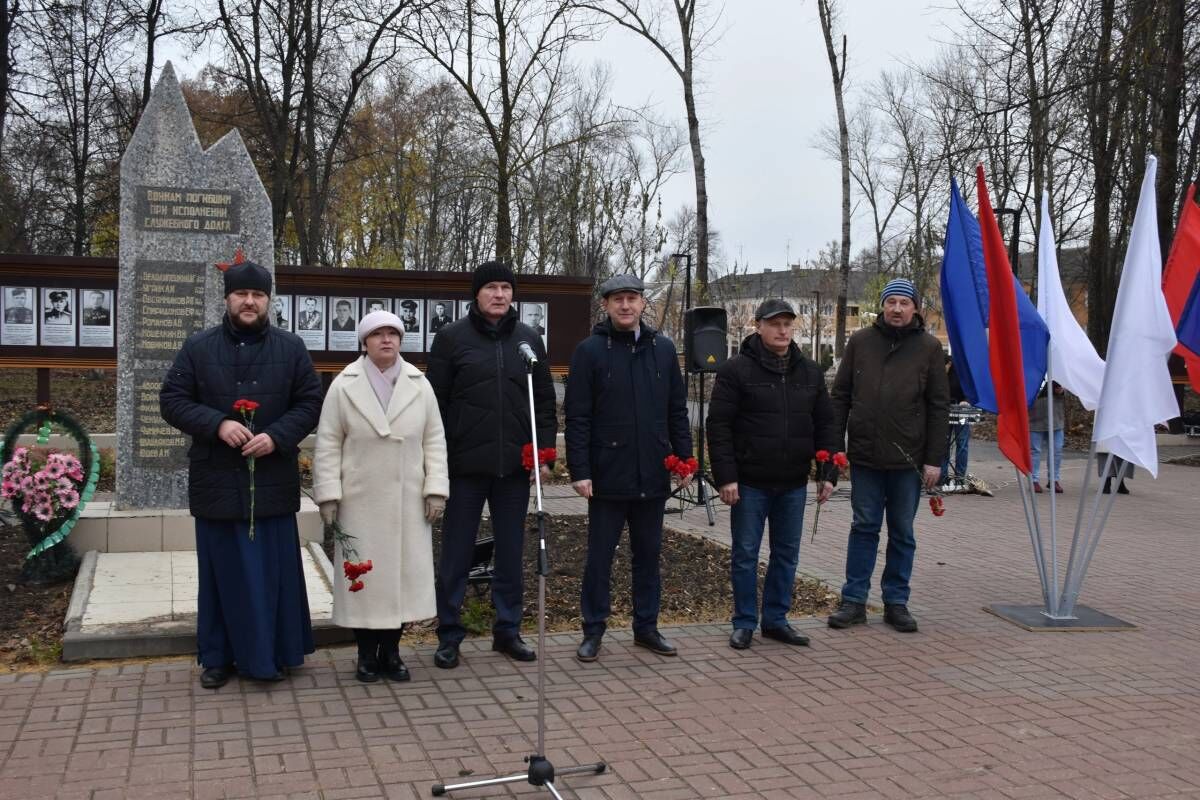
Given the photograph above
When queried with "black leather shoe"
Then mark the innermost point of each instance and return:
(740, 638)
(896, 615)
(787, 634)
(848, 613)
(446, 656)
(589, 649)
(515, 649)
(368, 670)
(214, 677)
(394, 669)
(654, 640)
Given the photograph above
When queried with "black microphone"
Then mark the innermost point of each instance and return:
(527, 353)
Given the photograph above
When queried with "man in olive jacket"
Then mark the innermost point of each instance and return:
(892, 398)
(478, 375)
(769, 414)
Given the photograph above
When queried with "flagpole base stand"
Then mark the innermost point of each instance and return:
(1035, 618)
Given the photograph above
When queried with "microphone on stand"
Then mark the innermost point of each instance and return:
(527, 353)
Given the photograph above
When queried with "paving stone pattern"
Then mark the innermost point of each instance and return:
(970, 707)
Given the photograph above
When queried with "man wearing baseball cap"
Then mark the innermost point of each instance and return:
(626, 411)
(252, 608)
(891, 397)
(769, 414)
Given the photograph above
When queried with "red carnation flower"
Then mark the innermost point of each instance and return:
(937, 505)
(840, 461)
(357, 586)
(822, 456)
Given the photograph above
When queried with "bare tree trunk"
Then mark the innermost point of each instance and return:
(686, 12)
(1169, 191)
(827, 9)
(9, 12)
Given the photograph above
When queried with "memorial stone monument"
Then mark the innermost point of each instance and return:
(183, 210)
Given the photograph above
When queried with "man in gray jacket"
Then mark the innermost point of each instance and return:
(892, 397)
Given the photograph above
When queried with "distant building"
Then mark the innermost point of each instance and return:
(812, 292)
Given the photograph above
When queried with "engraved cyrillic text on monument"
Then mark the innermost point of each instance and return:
(168, 308)
(187, 210)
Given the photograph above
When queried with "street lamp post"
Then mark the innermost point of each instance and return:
(816, 331)
(1015, 239)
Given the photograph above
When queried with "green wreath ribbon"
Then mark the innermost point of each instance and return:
(44, 418)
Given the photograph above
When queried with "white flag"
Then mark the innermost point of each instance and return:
(1073, 359)
(1137, 392)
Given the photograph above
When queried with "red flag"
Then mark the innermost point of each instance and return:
(1179, 275)
(1004, 339)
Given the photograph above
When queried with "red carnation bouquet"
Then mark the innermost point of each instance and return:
(937, 503)
(354, 572)
(681, 467)
(544, 455)
(840, 463)
(247, 408)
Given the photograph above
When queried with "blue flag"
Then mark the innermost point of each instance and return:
(965, 309)
(1188, 330)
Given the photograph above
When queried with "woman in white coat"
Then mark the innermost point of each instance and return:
(380, 471)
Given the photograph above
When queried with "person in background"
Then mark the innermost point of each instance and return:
(381, 455)
(1040, 431)
(960, 434)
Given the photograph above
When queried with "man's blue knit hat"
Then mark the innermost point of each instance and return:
(899, 286)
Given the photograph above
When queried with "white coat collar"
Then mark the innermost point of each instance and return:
(362, 396)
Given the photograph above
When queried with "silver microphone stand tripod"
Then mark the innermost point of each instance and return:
(541, 772)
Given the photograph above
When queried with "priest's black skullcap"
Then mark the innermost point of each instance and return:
(247, 275)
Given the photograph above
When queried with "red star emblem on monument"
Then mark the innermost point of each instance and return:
(238, 258)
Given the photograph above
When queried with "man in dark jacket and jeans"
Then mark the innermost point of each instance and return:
(626, 410)
(769, 415)
(478, 375)
(252, 609)
(892, 397)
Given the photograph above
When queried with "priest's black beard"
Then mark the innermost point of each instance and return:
(255, 327)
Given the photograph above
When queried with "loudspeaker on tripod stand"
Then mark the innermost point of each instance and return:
(705, 333)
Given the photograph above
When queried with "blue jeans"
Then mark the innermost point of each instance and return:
(960, 439)
(1038, 439)
(874, 493)
(784, 508)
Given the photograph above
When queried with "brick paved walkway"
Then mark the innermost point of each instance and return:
(971, 707)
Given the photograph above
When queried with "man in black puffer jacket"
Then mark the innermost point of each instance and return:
(478, 375)
(252, 608)
(770, 414)
(626, 411)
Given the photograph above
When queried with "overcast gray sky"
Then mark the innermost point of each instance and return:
(767, 93)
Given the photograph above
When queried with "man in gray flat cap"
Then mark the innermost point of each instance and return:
(626, 411)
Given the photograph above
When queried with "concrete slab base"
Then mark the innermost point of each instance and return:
(1032, 618)
(127, 605)
(107, 529)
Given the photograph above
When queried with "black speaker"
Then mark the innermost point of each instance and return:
(704, 330)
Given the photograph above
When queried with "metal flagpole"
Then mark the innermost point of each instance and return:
(1052, 606)
(1071, 590)
(1038, 557)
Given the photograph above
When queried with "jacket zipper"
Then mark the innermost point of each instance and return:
(500, 408)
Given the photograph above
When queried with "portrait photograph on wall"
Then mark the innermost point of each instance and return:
(310, 320)
(409, 311)
(376, 304)
(96, 321)
(537, 316)
(18, 325)
(438, 314)
(343, 323)
(58, 317)
(281, 311)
